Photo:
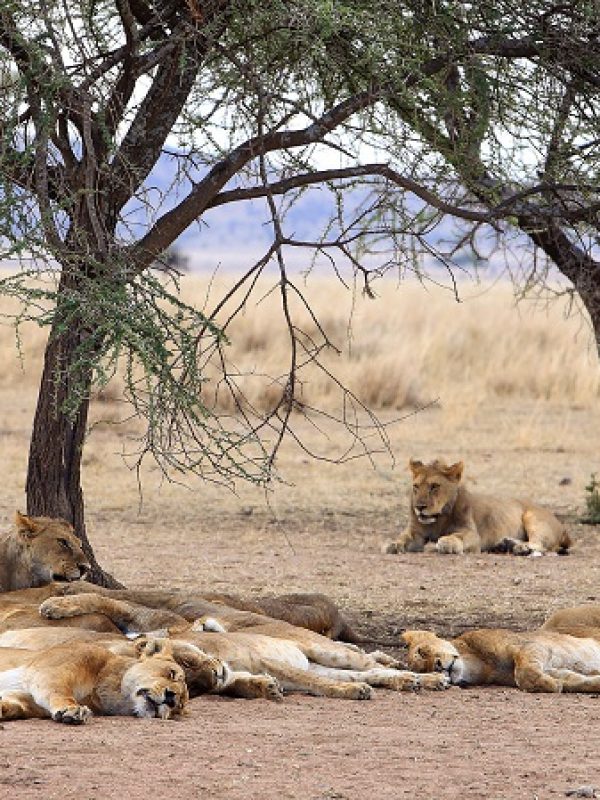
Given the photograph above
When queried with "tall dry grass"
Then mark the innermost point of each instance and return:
(412, 345)
(409, 346)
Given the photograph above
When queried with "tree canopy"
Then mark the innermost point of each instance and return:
(440, 132)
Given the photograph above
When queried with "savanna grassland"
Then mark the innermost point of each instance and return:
(512, 389)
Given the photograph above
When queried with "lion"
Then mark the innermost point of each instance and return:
(39, 551)
(314, 611)
(459, 521)
(536, 661)
(255, 646)
(204, 674)
(70, 682)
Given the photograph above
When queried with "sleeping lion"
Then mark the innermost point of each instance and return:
(443, 511)
(262, 656)
(536, 661)
(70, 682)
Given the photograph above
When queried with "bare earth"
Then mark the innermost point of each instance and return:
(323, 533)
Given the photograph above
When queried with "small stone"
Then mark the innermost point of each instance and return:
(566, 481)
(582, 791)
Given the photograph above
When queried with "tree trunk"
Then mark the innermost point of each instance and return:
(575, 264)
(54, 470)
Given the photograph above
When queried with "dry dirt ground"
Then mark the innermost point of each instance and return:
(322, 532)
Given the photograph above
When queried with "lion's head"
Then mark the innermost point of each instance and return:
(203, 673)
(434, 489)
(428, 653)
(155, 684)
(49, 550)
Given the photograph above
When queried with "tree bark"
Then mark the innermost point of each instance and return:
(574, 263)
(54, 471)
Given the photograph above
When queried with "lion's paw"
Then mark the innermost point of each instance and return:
(273, 690)
(450, 545)
(361, 691)
(404, 682)
(72, 715)
(384, 659)
(435, 681)
(54, 607)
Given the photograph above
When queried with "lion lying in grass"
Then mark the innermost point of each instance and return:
(459, 521)
(295, 658)
(69, 682)
(536, 661)
(40, 550)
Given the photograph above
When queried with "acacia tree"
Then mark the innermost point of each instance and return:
(405, 114)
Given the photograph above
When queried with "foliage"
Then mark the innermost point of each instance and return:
(592, 501)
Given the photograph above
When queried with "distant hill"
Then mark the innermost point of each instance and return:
(235, 235)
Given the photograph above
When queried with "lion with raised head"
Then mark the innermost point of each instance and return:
(458, 521)
(70, 682)
(536, 661)
(38, 551)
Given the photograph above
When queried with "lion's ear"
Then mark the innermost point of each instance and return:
(27, 526)
(415, 466)
(412, 637)
(146, 648)
(455, 471)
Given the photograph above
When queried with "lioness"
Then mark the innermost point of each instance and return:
(299, 659)
(70, 682)
(459, 521)
(537, 661)
(40, 550)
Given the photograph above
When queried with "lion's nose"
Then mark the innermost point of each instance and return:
(438, 666)
(170, 698)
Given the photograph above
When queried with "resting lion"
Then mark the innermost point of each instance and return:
(537, 661)
(298, 659)
(71, 682)
(459, 521)
(40, 550)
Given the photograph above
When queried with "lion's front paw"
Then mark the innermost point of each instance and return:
(450, 545)
(272, 689)
(435, 681)
(54, 607)
(72, 715)
(404, 681)
(360, 691)
(525, 549)
(384, 659)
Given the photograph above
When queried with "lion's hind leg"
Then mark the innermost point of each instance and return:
(572, 681)
(339, 656)
(293, 679)
(395, 679)
(544, 534)
(530, 675)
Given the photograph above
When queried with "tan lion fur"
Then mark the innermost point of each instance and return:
(72, 681)
(536, 661)
(254, 645)
(458, 521)
(38, 551)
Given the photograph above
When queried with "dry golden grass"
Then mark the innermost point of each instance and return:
(414, 344)
(408, 347)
